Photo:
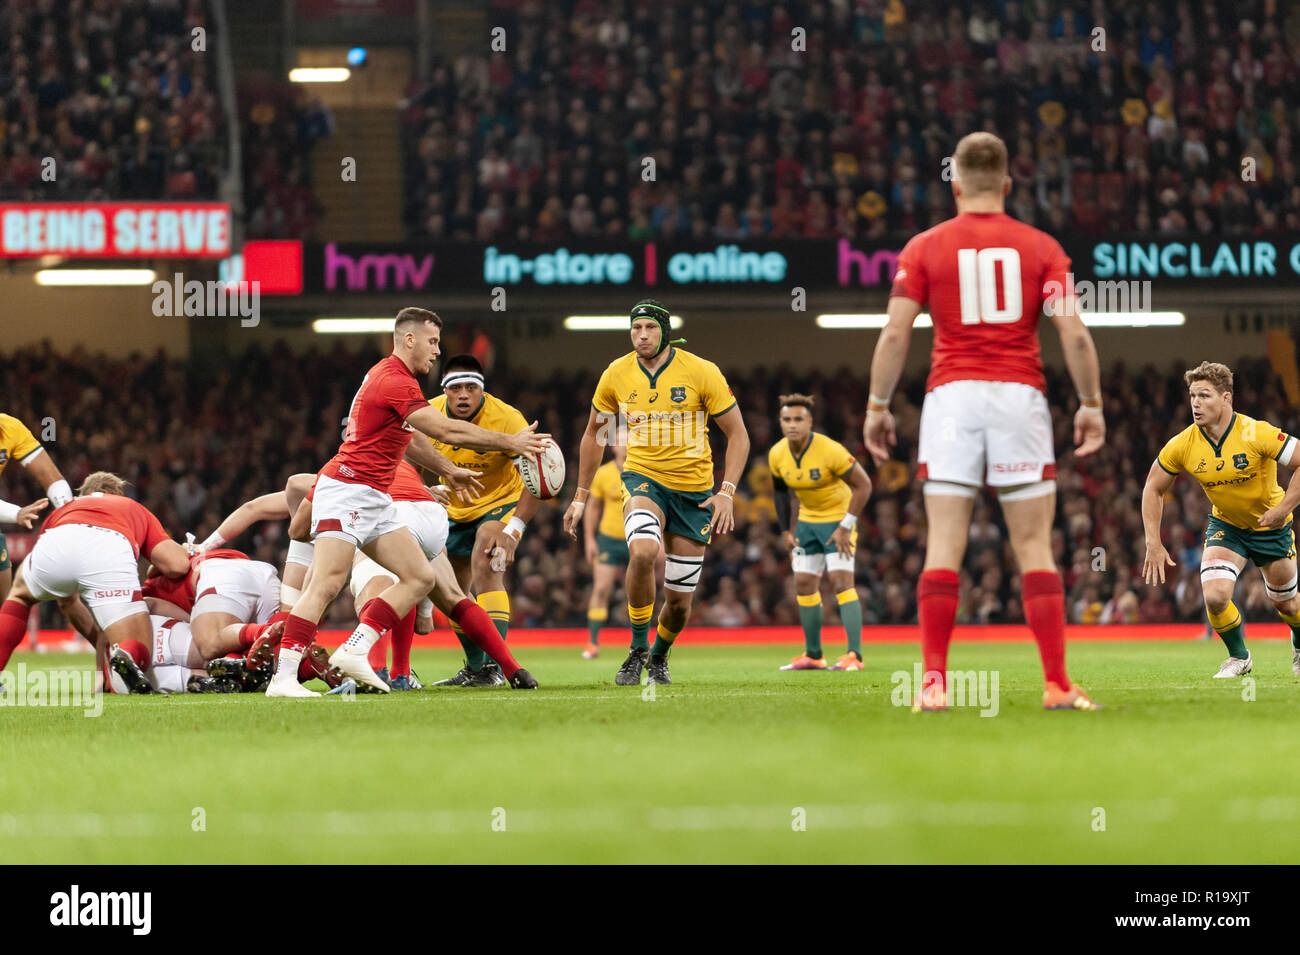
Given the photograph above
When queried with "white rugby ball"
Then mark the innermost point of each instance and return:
(543, 472)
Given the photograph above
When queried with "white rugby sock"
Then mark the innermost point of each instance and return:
(286, 665)
(362, 639)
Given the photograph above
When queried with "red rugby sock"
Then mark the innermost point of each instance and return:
(1044, 598)
(379, 653)
(403, 636)
(13, 627)
(478, 626)
(936, 598)
(139, 652)
(298, 634)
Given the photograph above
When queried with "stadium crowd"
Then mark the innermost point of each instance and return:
(1116, 115)
(114, 93)
(196, 442)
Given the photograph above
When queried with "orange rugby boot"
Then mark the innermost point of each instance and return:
(1054, 698)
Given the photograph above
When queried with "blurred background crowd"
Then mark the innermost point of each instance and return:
(115, 93)
(195, 443)
(1117, 116)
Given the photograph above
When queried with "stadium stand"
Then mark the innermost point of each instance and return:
(113, 92)
(753, 139)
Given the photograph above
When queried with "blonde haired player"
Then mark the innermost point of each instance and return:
(662, 397)
(831, 488)
(17, 443)
(987, 278)
(1235, 459)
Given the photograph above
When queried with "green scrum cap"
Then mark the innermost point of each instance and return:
(649, 308)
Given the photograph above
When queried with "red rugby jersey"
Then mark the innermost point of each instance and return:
(985, 278)
(377, 433)
(407, 485)
(129, 518)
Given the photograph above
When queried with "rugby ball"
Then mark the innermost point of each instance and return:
(543, 472)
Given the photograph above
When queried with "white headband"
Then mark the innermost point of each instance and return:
(460, 377)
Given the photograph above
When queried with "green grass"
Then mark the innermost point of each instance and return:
(711, 770)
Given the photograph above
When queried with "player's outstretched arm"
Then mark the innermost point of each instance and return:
(732, 425)
(1159, 481)
(1085, 371)
(24, 516)
(43, 469)
(461, 480)
(429, 420)
(268, 507)
(590, 451)
(878, 432)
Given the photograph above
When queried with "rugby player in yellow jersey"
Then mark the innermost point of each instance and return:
(484, 533)
(660, 399)
(1235, 458)
(17, 443)
(606, 550)
(831, 488)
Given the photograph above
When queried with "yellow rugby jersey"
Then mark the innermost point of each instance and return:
(608, 486)
(815, 477)
(667, 416)
(1239, 474)
(500, 479)
(16, 442)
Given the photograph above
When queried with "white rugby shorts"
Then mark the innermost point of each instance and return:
(427, 520)
(95, 562)
(351, 512)
(986, 432)
(248, 590)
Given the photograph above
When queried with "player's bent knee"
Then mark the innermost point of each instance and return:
(643, 554)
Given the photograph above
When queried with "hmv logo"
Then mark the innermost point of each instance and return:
(363, 273)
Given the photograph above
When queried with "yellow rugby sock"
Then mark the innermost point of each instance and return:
(1292, 621)
(1228, 625)
(664, 639)
(497, 605)
(639, 617)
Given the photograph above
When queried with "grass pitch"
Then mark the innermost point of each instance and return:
(723, 766)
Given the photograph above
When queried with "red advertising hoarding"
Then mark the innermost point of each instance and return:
(115, 230)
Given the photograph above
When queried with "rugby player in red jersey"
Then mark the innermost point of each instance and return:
(352, 508)
(91, 547)
(986, 278)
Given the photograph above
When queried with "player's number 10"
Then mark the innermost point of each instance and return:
(978, 278)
